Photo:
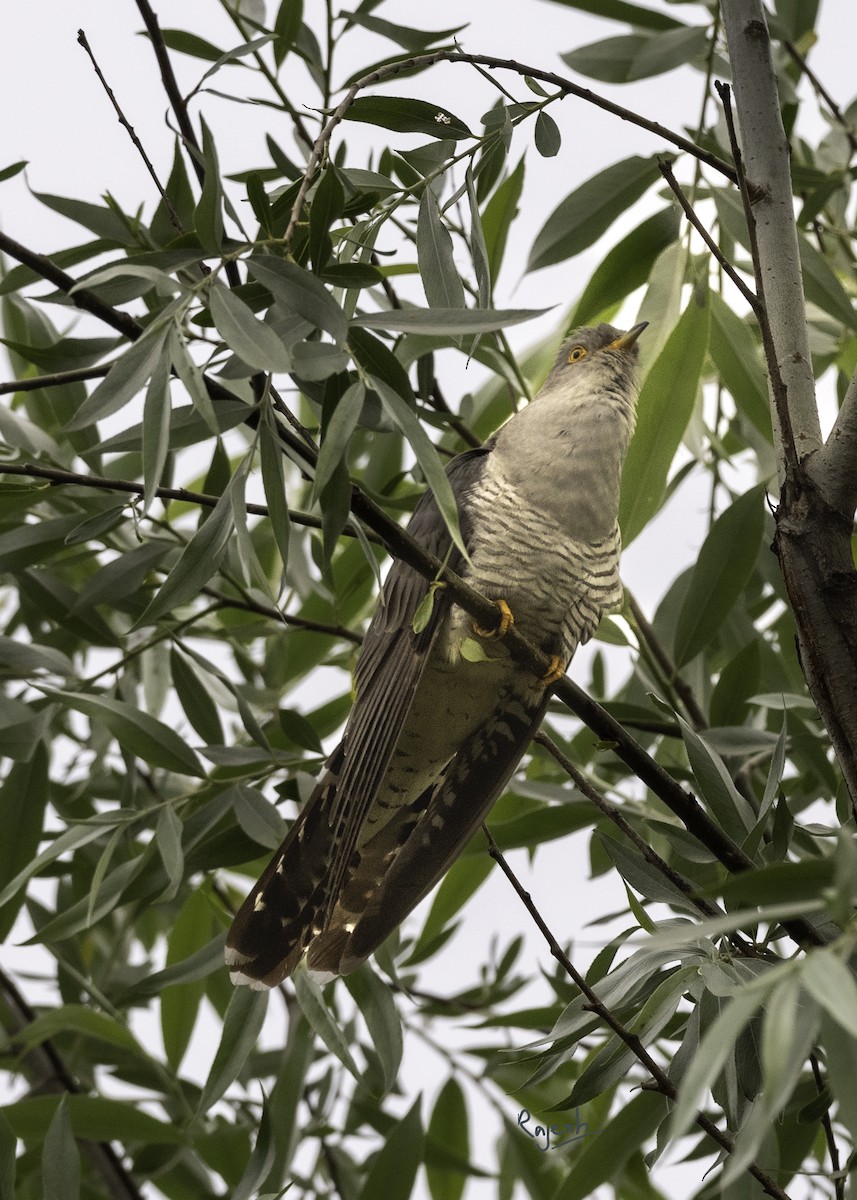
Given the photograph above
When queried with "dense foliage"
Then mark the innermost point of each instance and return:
(196, 492)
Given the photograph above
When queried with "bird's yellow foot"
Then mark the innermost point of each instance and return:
(554, 672)
(504, 625)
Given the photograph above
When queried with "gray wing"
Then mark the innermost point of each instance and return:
(440, 824)
(293, 899)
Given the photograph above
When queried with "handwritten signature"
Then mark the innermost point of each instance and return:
(562, 1133)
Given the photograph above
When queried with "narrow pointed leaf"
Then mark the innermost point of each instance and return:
(588, 211)
(663, 411)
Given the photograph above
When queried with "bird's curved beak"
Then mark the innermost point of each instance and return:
(626, 340)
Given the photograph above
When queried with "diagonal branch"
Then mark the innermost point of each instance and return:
(662, 1082)
(47, 1072)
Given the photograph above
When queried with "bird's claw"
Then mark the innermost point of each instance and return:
(555, 671)
(505, 623)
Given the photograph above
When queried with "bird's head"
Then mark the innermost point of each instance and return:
(595, 348)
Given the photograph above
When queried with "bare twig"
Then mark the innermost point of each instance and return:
(747, 292)
(836, 1171)
(103, 483)
(171, 86)
(123, 121)
(57, 379)
(82, 298)
(662, 1081)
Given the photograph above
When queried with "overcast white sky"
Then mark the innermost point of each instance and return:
(57, 117)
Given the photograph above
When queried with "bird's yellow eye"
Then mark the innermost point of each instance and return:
(576, 353)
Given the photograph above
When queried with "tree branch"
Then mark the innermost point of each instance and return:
(662, 1081)
(57, 379)
(770, 218)
(48, 1073)
(138, 145)
(565, 87)
(82, 298)
(813, 534)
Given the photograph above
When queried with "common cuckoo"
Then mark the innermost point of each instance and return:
(433, 736)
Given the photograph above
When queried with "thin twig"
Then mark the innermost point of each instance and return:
(57, 379)
(747, 292)
(179, 107)
(707, 907)
(171, 87)
(82, 298)
(103, 483)
(662, 1081)
(836, 1171)
(565, 87)
(123, 121)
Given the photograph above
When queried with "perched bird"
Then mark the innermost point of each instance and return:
(434, 737)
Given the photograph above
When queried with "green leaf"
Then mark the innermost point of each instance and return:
(394, 1170)
(337, 435)
(8, 1168)
(441, 278)
(179, 1003)
(717, 1045)
(23, 798)
(723, 569)
(168, 835)
(274, 484)
(822, 285)
(198, 562)
(241, 1027)
(208, 217)
(663, 411)
(500, 212)
(548, 137)
(137, 732)
(732, 811)
(448, 1127)
(738, 358)
(378, 1008)
(327, 205)
(298, 291)
(452, 321)
(253, 341)
(9, 173)
(189, 43)
(60, 1158)
(604, 1154)
(77, 1018)
(156, 429)
(623, 11)
(590, 210)
(610, 60)
(478, 248)
(95, 1118)
(404, 115)
(320, 1018)
(668, 50)
(195, 699)
(426, 454)
(827, 978)
(128, 376)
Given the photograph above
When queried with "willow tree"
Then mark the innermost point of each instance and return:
(202, 474)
